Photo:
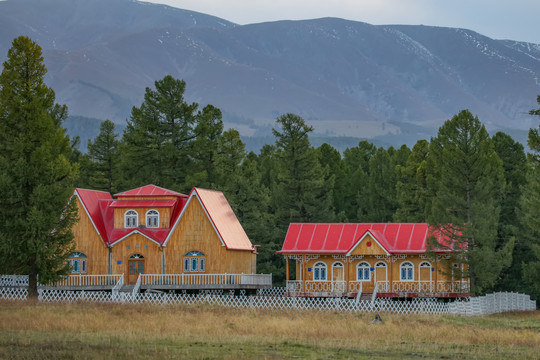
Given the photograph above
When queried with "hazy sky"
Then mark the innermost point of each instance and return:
(498, 19)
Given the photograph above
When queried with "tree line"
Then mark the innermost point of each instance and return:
(482, 191)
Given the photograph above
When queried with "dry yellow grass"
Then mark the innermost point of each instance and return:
(37, 330)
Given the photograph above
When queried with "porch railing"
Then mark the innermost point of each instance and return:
(206, 279)
(453, 286)
(88, 280)
(326, 286)
(137, 286)
(118, 286)
(383, 286)
(13, 280)
(294, 285)
(414, 286)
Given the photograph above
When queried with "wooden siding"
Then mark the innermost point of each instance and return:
(392, 268)
(136, 244)
(368, 246)
(195, 232)
(88, 242)
(164, 216)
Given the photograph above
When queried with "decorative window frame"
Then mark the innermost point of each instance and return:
(409, 268)
(320, 271)
(365, 267)
(131, 219)
(194, 262)
(78, 263)
(152, 218)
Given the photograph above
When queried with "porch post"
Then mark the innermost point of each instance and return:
(287, 268)
(347, 274)
(303, 273)
(436, 271)
(391, 277)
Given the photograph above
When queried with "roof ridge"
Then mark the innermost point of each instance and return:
(100, 191)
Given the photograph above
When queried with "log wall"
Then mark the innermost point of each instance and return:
(88, 242)
(195, 232)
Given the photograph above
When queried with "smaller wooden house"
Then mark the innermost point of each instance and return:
(163, 239)
(386, 258)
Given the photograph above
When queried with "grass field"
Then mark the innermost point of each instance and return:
(30, 330)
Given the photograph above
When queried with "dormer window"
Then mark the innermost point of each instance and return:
(131, 219)
(152, 219)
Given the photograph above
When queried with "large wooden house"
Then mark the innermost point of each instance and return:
(386, 258)
(163, 239)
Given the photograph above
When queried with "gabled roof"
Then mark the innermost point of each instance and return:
(149, 190)
(340, 238)
(142, 203)
(100, 206)
(222, 217)
(90, 200)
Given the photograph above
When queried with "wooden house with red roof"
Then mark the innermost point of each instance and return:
(162, 239)
(388, 259)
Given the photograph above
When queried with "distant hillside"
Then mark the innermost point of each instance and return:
(346, 78)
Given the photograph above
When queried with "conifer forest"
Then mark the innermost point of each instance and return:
(488, 183)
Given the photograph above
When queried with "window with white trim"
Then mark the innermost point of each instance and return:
(152, 219)
(406, 271)
(77, 262)
(319, 271)
(363, 272)
(194, 261)
(425, 264)
(131, 219)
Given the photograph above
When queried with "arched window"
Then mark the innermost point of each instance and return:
(77, 262)
(131, 219)
(136, 256)
(152, 218)
(407, 271)
(363, 272)
(319, 271)
(425, 264)
(194, 261)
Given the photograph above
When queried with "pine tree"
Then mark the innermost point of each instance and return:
(158, 137)
(530, 211)
(468, 181)
(514, 163)
(377, 202)
(231, 150)
(356, 160)
(36, 177)
(204, 148)
(411, 187)
(104, 159)
(330, 159)
(302, 195)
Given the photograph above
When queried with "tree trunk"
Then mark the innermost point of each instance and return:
(32, 284)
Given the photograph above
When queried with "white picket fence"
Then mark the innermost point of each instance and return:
(489, 304)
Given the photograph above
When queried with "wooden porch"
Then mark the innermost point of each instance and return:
(205, 281)
(150, 282)
(395, 289)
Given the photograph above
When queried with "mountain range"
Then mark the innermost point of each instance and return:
(350, 80)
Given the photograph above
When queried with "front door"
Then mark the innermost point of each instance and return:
(381, 276)
(338, 283)
(136, 267)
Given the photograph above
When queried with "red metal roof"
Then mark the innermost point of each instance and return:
(340, 238)
(142, 203)
(224, 220)
(150, 190)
